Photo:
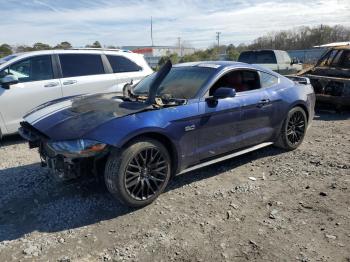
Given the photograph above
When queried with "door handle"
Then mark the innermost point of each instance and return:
(70, 82)
(52, 84)
(263, 102)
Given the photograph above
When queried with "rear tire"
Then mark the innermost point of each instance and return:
(293, 129)
(137, 175)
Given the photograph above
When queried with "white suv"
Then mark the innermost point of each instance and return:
(31, 79)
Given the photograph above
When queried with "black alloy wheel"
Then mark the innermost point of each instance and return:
(139, 173)
(146, 173)
(293, 129)
(296, 127)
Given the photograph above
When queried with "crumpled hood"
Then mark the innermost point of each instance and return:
(73, 117)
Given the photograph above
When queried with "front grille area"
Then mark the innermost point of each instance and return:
(46, 150)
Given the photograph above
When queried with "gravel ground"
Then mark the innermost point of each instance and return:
(268, 205)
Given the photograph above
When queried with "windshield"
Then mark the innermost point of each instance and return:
(180, 82)
(7, 58)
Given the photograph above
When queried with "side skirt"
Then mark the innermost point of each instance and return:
(213, 161)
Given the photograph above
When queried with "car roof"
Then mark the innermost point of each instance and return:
(224, 65)
(22, 55)
(213, 64)
(342, 47)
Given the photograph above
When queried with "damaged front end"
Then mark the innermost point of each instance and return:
(60, 129)
(66, 159)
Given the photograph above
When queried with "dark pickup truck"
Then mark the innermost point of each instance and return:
(330, 77)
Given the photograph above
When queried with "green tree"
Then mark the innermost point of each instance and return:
(302, 37)
(96, 44)
(41, 46)
(63, 45)
(5, 50)
(23, 48)
(232, 53)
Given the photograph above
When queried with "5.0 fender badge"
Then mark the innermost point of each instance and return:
(190, 128)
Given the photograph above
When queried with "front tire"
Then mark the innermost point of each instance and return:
(293, 129)
(137, 175)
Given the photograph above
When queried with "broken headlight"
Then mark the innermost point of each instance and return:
(77, 148)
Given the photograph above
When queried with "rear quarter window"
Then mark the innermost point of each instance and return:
(268, 80)
(81, 65)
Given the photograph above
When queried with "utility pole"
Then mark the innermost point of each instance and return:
(152, 30)
(218, 38)
(179, 45)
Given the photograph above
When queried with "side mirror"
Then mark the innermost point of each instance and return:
(224, 92)
(294, 61)
(220, 93)
(8, 80)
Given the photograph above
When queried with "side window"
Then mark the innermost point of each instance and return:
(286, 58)
(267, 80)
(240, 80)
(3, 73)
(336, 58)
(345, 61)
(81, 65)
(36, 68)
(329, 58)
(121, 64)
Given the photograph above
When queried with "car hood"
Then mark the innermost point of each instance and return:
(73, 117)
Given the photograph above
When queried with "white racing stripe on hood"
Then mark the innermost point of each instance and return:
(47, 111)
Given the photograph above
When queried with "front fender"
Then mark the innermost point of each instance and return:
(144, 131)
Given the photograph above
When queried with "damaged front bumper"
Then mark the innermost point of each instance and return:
(71, 167)
(66, 159)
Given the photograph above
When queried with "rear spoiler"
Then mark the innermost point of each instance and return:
(300, 80)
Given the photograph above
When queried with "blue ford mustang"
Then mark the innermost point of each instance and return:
(181, 118)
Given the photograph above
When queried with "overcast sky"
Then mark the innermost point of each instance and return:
(121, 23)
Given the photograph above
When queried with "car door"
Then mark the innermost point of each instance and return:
(38, 83)
(219, 127)
(257, 118)
(84, 73)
